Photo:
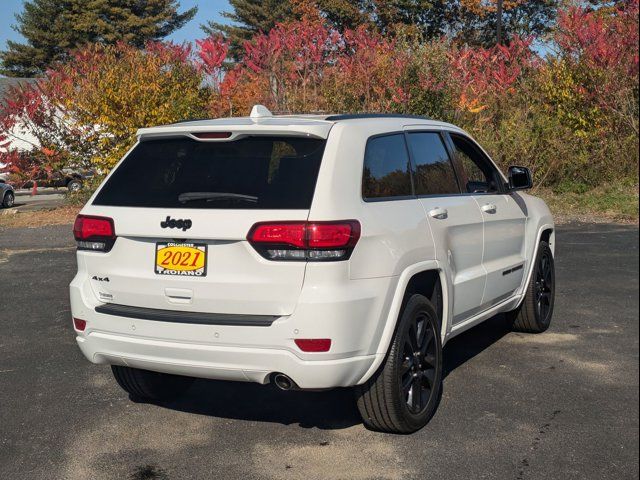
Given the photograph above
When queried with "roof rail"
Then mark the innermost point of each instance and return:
(355, 116)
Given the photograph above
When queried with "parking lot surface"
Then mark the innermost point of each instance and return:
(45, 199)
(560, 405)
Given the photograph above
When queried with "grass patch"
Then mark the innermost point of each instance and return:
(608, 203)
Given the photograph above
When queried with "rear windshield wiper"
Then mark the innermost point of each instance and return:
(211, 196)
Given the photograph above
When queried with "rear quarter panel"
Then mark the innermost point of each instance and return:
(395, 234)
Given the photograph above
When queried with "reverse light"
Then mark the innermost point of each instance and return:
(94, 233)
(305, 241)
(79, 324)
(313, 344)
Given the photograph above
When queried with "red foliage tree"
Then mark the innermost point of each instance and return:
(484, 74)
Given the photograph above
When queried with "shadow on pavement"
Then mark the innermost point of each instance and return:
(326, 410)
(472, 342)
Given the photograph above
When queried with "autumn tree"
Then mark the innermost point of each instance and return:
(87, 110)
(29, 111)
(53, 28)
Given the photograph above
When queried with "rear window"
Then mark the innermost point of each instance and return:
(249, 173)
(386, 168)
(434, 174)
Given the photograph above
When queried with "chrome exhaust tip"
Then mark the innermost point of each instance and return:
(283, 382)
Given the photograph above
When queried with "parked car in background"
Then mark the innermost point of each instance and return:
(7, 195)
(308, 251)
(68, 178)
(4, 176)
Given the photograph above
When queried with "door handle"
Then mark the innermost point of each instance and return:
(489, 208)
(439, 213)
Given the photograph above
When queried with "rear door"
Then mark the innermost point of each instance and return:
(504, 219)
(455, 220)
(182, 209)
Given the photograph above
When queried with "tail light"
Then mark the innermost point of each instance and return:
(305, 241)
(94, 233)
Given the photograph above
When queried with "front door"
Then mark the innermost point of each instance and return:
(504, 219)
(455, 219)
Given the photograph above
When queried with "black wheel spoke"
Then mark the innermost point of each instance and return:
(429, 376)
(413, 338)
(406, 365)
(429, 359)
(406, 384)
(416, 393)
(427, 341)
(421, 332)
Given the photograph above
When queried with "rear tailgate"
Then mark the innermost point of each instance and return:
(238, 280)
(203, 195)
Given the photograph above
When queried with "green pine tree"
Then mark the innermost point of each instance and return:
(249, 17)
(531, 18)
(52, 28)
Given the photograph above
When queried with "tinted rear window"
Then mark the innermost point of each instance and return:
(386, 168)
(250, 173)
(434, 174)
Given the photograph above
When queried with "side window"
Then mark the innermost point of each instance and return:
(386, 168)
(478, 175)
(434, 171)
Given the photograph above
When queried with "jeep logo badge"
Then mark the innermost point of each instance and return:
(172, 223)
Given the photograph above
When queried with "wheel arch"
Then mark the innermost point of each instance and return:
(4, 195)
(545, 232)
(425, 278)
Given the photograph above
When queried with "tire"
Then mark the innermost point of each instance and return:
(8, 200)
(382, 401)
(74, 185)
(147, 385)
(535, 312)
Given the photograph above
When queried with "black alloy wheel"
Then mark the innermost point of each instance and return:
(418, 370)
(544, 286)
(535, 312)
(402, 396)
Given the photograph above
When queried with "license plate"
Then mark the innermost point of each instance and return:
(184, 259)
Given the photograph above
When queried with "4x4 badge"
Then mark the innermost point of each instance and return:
(172, 223)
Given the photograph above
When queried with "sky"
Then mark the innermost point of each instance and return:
(207, 10)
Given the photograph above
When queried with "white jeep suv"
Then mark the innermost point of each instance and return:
(308, 251)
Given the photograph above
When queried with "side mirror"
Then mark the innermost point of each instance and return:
(520, 178)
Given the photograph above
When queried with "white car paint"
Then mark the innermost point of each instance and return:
(355, 302)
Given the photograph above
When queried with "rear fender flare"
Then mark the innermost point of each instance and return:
(396, 305)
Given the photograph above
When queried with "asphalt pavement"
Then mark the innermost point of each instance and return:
(45, 199)
(560, 405)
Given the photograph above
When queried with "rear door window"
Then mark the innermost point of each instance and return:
(250, 173)
(434, 173)
(386, 168)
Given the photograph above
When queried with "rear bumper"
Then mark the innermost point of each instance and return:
(220, 363)
(352, 317)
